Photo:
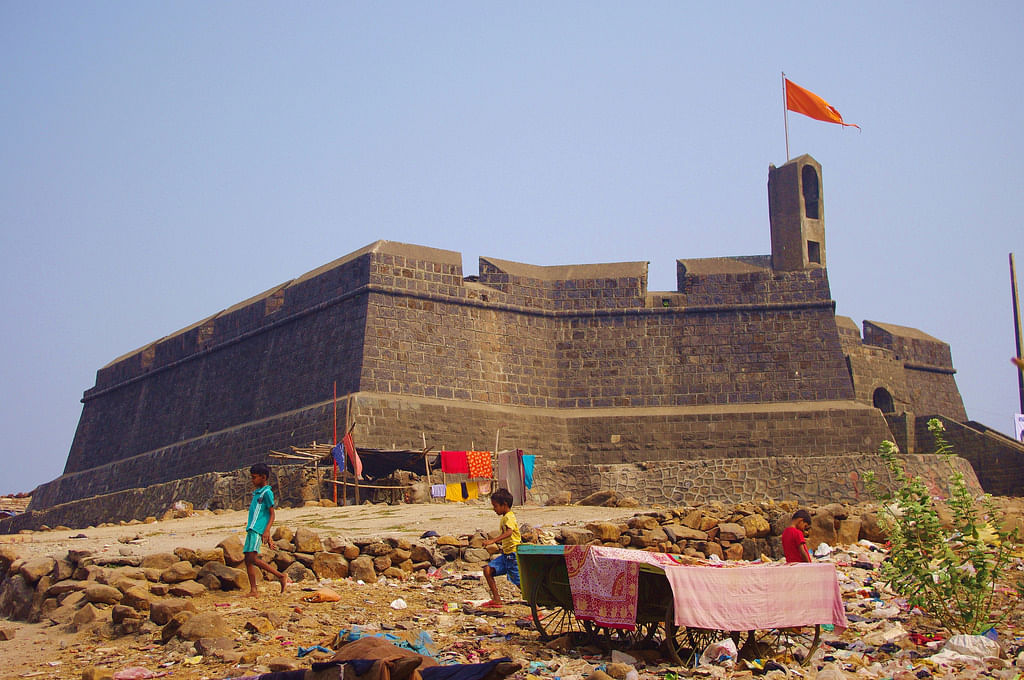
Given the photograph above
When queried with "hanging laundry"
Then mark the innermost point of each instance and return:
(453, 492)
(528, 461)
(484, 487)
(454, 463)
(437, 490)
(510, 475)
(350, 450)
(479, 464)
(470, 490)
(338, 453)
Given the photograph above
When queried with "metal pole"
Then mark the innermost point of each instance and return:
(785, 112)
(334, 468)
(1016, 329)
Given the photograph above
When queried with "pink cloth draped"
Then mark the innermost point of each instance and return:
(757, 596)
(604, 582)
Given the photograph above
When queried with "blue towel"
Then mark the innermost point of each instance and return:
(339, 456)
(528, 462)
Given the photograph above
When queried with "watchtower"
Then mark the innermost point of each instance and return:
(796, 210)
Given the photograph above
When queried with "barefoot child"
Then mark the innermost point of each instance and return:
(257, 529)
(504, 563)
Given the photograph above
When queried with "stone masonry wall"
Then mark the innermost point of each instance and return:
(997, 461)
(817, 479)
(221, 451)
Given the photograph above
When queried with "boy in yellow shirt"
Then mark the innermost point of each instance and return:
(504, 563)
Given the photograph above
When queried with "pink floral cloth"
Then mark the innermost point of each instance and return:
(604, 582)
(756, 596)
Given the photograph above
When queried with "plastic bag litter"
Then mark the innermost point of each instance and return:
(323, 595)
(977, 646)
(136, 673)
(717, 652)
(823, 550)
(399, 604)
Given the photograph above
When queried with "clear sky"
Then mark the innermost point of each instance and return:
(161, 161)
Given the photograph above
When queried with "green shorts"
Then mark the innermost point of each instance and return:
(253, 542)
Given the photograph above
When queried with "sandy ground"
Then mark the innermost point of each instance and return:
(204, 531)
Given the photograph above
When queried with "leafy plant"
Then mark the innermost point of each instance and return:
(952, 574)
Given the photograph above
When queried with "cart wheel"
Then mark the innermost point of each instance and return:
(640, 637)
(685, 643)
(557, 619)
(796, 644)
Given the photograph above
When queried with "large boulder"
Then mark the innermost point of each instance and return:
(178, 572)
(361, 569)
(307, 541)
(330, 565)
(229, 577)
(16, 595)
(188, 589)
(137, 598)
(823, 529)
(730, 531)
(233, 550)
(643, 522)
(205, 625)
(98, 593)
(162, 611)
(605, 531)
(870, 528)
(682, 532)
(576, 536)
(849, 531)
(756, 526)
(36, 568)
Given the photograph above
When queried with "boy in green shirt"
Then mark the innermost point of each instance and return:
(257, 528)
(503, 564)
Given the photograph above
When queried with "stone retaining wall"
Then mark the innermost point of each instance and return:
(819, 479)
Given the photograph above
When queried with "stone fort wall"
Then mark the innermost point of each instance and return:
(564, 343)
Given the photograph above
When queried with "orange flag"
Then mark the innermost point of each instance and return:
(811, 105)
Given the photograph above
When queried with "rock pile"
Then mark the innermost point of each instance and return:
(81, 588)
(745, 531)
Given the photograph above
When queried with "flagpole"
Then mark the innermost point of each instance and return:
(785, 112)
(1017, 329)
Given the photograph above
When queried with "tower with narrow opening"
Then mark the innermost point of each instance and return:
(797, 213)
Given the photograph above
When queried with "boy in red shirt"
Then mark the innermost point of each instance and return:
(794, 545)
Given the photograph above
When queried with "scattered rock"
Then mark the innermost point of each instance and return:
(178, 572)
(161, 611)
(205, 625)
(307, 541)
(101, 594)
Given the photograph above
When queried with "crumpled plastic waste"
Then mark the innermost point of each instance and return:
(323, 595)
(977, 646)
(719, 652)
(136, 673)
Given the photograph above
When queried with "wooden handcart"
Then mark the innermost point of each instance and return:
(545, 586)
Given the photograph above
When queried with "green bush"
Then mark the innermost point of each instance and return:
(952, 574)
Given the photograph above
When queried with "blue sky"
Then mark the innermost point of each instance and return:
(162, 161)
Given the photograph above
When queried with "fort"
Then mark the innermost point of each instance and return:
(741, 383)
